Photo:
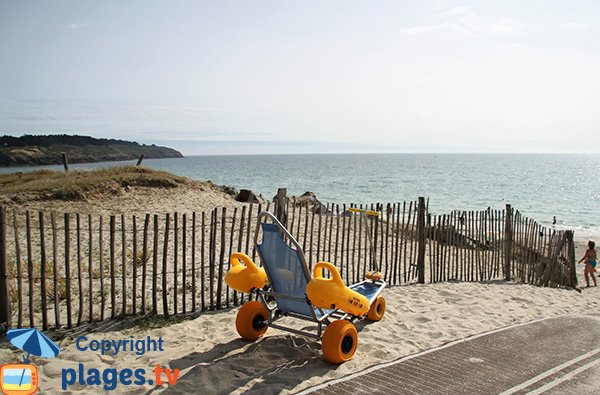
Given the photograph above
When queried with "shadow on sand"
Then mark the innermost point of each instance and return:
(268, 366)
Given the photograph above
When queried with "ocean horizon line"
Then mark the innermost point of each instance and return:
(391, 153)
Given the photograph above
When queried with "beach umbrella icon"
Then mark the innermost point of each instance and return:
(33, 342)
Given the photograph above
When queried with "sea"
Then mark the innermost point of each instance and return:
(540, 186)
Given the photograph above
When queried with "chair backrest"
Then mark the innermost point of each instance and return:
(285, 267)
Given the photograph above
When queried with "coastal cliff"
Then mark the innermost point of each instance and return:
(47, 150)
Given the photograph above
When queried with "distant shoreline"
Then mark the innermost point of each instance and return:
(31, 150)
(35, 166)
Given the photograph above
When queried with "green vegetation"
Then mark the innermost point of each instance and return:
(77, 185)
(47, 150)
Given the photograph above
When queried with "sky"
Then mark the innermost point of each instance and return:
(227, 77)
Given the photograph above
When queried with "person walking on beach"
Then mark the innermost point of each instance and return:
(590, 259)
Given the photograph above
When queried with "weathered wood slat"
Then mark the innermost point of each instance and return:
(360, 246)
(409, 272)
(155, 267)
(144, 262)
(337, 234)
(123, 267)
(135, 266)
(415, 240)
(402, 246)
(175, 261)
(355, 263)
(292, 202)
(79, 270)
(55, 270)
(165, 267)
(476, 241)
(30, 271)
(184, 286)
(312, 228)
(432, 261)
(212, 258)
(319, 236)
(330, 240)
(68, 268)
(90, 269)
(397, 275)
(165, 271)
(202, 263)
(239, 245)
(253, 246)
(343, 244)
(231, 236)
(5, 298)
(249, 246)
(113, 288)
(508, 234)
(306, 221)
(221, 259)
(348, 261)
(18, 270)
(43, 272)
(421, 240)
(194, 261)
(101, 267)
(384, 264)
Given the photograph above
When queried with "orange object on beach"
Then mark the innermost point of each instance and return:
(247, 276)
(331, 293)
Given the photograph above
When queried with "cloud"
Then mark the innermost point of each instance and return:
(462, 10)
(576, 25)
(446, 26)
(464, 21)
(116, 118)
(75, 26)
(501, 27)
(510, 46)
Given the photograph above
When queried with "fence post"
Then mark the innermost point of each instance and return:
(65, 160)
(5, 313)
(421, 241)
(281, 212)
(139, 162)
(571, 258)
(508, 241)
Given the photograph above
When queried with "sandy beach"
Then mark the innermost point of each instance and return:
(212, 358)
(210, 355)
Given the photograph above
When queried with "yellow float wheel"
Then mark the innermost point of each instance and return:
(339, 341)
(377, 309)
(251, 321)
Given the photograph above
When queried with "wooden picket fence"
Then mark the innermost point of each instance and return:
(492, 244)
(69, 269)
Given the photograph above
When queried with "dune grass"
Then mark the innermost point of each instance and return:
(77, 185)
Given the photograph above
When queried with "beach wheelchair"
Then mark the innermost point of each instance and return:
(284, 287)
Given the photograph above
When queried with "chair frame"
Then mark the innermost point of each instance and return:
(264, 295)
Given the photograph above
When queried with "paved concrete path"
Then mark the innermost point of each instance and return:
(556, 356)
